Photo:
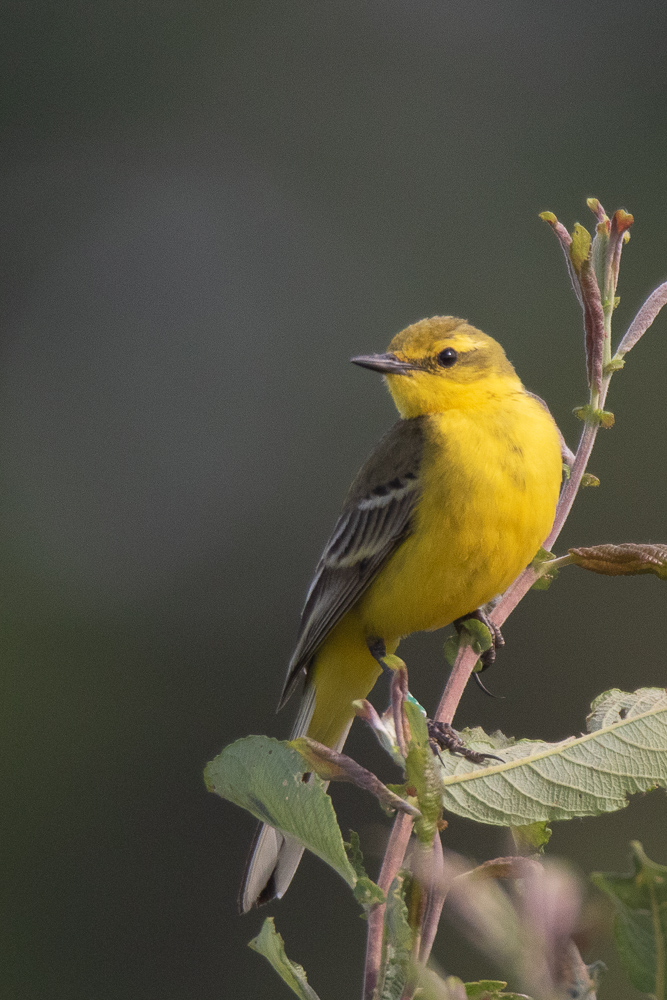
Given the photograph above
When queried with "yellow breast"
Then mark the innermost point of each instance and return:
(490, 483)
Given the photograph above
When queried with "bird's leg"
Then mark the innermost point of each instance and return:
(443, 737)
(398, 688)
(488, 657)
(378, 650)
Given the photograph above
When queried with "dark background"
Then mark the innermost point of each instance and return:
(207, 209)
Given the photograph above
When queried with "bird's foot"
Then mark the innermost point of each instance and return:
(442, 736)
(488, 656)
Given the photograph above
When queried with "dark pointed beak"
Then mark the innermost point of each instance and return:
(388, 364)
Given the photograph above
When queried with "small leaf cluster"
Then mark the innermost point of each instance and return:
(537, 783)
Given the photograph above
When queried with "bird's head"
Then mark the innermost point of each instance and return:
(443, 363)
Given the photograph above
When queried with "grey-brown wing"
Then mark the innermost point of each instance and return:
(376, 517)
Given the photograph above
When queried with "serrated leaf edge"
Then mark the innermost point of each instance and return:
(553, 750)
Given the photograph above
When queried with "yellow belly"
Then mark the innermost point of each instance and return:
(490, 488)
(490, 484)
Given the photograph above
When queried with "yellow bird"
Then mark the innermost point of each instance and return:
(452, 504)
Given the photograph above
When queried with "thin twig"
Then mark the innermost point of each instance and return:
(640, 324)
(331, 765)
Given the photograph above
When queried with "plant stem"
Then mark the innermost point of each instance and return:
(467, 658)
(393, 859)
(558, 563)
(586, 442)
(456, 682)
(435, 900)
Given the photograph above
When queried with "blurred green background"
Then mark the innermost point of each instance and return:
(207, 209)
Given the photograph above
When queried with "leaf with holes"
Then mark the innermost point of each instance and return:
(623, 752)
(265, 777)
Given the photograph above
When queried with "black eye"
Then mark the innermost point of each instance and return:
(448, 357)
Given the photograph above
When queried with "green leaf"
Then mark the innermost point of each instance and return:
(480, 635)
(539, 564)
(614, 706)
(544, 582)
(548, 217)
(640, 925)
(600, 246)
(432, 987)
(354, 855)
(588, 479)
(615, 364)
(482, 989)
(592, 415)
(416, 717)
(580, 247)
(422, 774)
(397, 926)
(490, 989)
(398, 940)
(473, 633)
(270, 944)
(367, 893)
(265, 776)
(451, 649)
(581, 776)
(531, 839)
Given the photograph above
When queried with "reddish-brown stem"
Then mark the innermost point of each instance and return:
(435, 900)
(640, 324)
(586, 442)
(458, 678)
(393, 859)
(467, 658)
(456, 682)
